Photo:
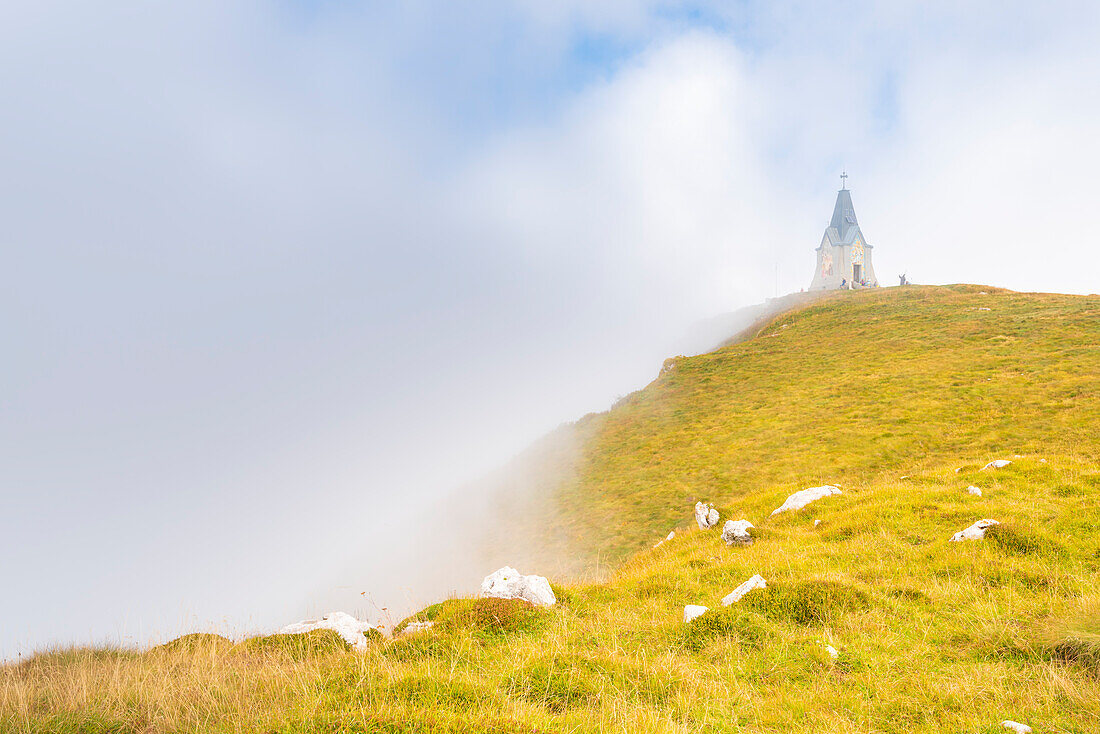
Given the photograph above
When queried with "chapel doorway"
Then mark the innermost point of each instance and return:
(856, 271)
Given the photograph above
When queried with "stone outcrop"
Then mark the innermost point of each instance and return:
(974, 491)
(756, 582)
(706, 515)
(508, 583)
(800, 499)
(975, 531)
(348, 627)
(737, 532)
(997, 464)
(691, 611)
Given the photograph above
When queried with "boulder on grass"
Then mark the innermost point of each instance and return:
(706, 515)
(756, 582)
(348, 627)
(996, 464)
(975, 531)
(508, 583)
(1016, 727)
(800, 499)
(691, 611)
(737, 532)
(974, 491)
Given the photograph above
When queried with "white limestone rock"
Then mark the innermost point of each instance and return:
(817, 522)
(706, 515)
(508, 583)
(756, 582)
(691, 611)
(997, 464)
(800, 499)
(737, 531)
(832, 652)
(348, 627)
(670, 536)
(974, 491)
(1016, 727)
(412, 627)
(975, 531)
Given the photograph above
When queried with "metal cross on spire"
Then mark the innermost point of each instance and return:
(843, 180)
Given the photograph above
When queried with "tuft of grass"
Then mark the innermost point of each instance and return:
(724, 622)
(561, 682)
(806, 602)
(1022, 541)
(1075, 637)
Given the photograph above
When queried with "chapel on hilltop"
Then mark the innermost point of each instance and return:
(844, 256)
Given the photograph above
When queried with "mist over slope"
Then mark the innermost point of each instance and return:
(900, 397)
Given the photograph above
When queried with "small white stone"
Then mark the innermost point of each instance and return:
(691, 611)
(832, 652)
(996, 464)
(348, 627)
(984, 308)
(756, 582)
(904, 476)
(958, 470)
(1016, 727)
(508, 583)
(800, 499)
(412, 627)
(975, 531)
(705, 515)
(974, 491)
(816, 523)
(668, 537)
(737, 531)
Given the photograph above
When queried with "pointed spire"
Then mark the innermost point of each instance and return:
(844, 213)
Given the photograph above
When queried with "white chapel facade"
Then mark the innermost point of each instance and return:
(844, 256)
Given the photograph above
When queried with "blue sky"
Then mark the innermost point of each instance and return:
(278, 274)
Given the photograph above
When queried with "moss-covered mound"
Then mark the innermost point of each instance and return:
(487, 618)
(296, 647)
(195, 642)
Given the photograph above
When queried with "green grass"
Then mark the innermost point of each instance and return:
(859, 390)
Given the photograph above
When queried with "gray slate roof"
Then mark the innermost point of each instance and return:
(844, 213)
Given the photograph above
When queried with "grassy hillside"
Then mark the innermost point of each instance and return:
(884, 393)
(858, 387)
